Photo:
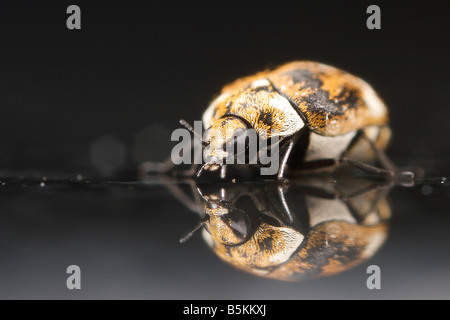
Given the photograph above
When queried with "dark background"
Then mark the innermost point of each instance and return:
(97, 101)
(132, 66)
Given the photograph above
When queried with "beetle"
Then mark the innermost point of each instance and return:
(307, 229)
(328, 116)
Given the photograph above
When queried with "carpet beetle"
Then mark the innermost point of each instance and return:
(324, 115)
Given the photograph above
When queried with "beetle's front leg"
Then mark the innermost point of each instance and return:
(285, 158)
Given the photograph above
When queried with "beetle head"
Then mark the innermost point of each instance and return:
(226, 223)
(221, 140)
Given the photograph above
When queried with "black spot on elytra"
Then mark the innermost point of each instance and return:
(321, 256)
(267, 244)
(349, 98)
(310, 79)
(266, 117)
(320, 102)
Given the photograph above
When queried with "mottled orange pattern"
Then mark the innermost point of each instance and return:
(332, 101)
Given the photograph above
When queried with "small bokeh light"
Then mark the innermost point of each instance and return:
(152, 144)
(108, 153)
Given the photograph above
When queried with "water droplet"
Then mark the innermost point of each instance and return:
(42, 184)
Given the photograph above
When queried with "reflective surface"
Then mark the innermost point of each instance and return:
(81, 110)
(125, 238)
(294, 230)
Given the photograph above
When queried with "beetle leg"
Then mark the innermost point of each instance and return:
(367, 167)
(325, 163)
(172, 184)
(405, 176)
(156, 167)
(286, 154)
(385, 162)
(285, 205)
(223, 171)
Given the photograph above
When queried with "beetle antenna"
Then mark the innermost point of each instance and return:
(199, 172)
(199, 225)
(201, 195)
(185, 124)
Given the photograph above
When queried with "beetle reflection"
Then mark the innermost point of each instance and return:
(293, 231)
